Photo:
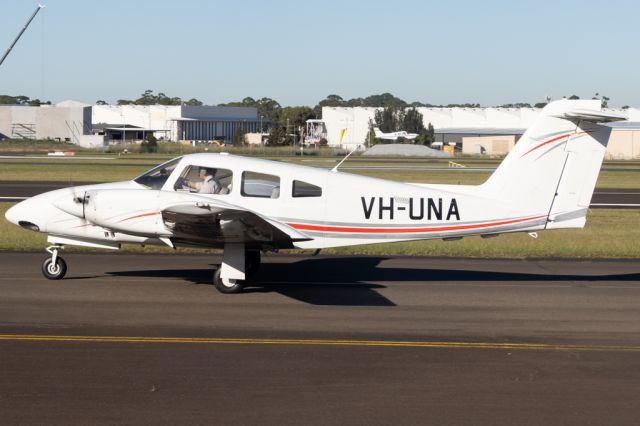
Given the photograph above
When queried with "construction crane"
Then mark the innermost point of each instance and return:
(40, 6)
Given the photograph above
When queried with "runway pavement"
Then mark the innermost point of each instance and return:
(16, 191)
(347, 340)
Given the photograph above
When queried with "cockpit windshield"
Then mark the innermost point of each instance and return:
(156, 177)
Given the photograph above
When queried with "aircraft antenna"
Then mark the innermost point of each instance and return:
(335, 169)
(40, 6)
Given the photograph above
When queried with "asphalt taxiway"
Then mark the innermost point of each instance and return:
(359, 340)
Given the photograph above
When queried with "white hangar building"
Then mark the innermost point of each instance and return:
(174, 123)
(487, 130)
(68, 121)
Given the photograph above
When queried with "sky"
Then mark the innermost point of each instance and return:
(298, 52)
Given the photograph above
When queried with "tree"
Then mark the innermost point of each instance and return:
(516, 105)
(329, 101)
(426, 136)
(277, 134)
(148, 98)
(540, 105)
(38, 102)
(297, 115)
(193, 102)
(605, 100)
(21, 100)
(574, 97)
(101, 102)
(412, 121)
(384, 100)
(150, 144)
(267, 107)
(386, 119)
(370, 139)
(467, 105)
(238, 138)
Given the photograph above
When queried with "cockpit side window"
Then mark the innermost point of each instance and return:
(205, 180)
(156, 177)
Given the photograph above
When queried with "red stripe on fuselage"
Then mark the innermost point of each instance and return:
(309, 227)
(140, 215)
(546, 143)
(552, 140)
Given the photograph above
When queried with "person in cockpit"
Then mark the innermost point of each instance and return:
(208, 184)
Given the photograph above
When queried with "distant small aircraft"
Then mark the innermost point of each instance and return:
(246, 206)
(394, 135)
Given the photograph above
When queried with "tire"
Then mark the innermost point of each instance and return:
(54, 272)
(252, 262)
(231, 287)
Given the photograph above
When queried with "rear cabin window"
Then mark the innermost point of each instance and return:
(305, 189)
(261, 185)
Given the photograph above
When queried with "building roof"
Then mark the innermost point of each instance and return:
(480, 131)
(71, 104)
(121, 127)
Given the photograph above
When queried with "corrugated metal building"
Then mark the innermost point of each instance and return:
(176, 123)
(348, 127)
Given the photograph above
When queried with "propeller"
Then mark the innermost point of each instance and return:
(73, 203)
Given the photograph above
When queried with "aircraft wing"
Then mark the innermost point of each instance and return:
(214, 223)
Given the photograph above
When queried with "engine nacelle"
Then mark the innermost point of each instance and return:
(132, 211)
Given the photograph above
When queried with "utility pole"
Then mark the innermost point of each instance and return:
(40, 6)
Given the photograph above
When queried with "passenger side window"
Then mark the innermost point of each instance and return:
(261, 185)
(304, 189)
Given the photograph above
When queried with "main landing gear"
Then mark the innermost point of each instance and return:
(54, 267)
(238, 265)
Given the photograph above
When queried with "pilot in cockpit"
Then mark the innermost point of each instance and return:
(208, 184)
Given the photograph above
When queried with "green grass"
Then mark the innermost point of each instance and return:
(108, 172)
(609, 234)
(127, 167)
(69, 172)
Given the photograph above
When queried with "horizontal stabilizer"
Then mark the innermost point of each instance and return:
(592, 116)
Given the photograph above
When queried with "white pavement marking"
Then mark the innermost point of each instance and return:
(50, 157)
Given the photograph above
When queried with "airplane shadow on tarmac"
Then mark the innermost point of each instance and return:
(347, 281)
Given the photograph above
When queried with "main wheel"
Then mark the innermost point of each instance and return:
(54, 271)
(251, 262)
(227, 285)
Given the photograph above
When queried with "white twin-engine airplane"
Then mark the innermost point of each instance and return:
(393, 135)
(246, 205)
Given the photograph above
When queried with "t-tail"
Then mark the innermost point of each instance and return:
(554, 167)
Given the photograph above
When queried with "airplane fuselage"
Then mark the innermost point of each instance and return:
(348, 209)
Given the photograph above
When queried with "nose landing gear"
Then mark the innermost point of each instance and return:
(54, 267)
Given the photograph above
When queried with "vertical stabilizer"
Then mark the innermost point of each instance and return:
(554, 167)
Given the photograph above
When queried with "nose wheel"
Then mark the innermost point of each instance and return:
(54, 267)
